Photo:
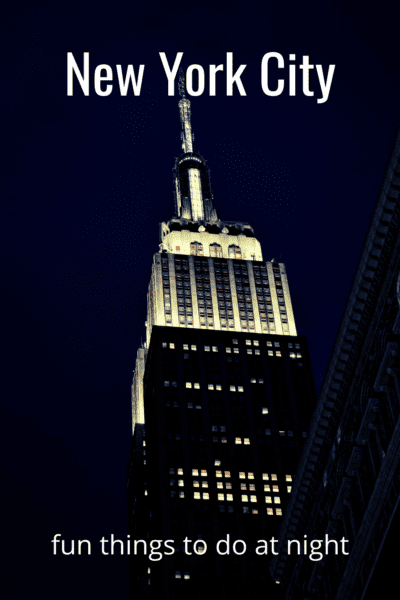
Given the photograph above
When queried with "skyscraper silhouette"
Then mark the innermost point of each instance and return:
(221, 401)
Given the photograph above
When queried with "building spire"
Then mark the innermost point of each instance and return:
(184, 110)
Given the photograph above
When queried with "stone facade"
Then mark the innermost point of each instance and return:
(348, 479)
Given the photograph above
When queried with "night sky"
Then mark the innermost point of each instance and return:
(86, 181)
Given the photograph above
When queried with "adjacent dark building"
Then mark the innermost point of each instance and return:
(222, 398)
(348, 480)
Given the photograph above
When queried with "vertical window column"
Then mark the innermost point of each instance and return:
(235, 306)
(172, 282)
(288, 302)
(257, 321)
(214, 298)
(195, 304)
(274, 298)
(158, 291)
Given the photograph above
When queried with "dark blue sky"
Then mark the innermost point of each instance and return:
(85, 182)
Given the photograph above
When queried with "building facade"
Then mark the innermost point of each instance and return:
(222, 397)
(348, 480)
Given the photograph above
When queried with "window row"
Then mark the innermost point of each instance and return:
(215, 250)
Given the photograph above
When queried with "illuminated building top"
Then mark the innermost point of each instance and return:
(209, 273)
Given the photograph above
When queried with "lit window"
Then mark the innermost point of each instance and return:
(193, 347)
(218, 473)
(196, 495)
(204, 473)
(242, 475)
(220, 485)
(243, 486)
(228, 350)
(278, 511)
(188, 384)
(245, 498)
(232, 388)
(206, 496)
(261, 381)
(227, 473)
(217, 463)
(256, 343)
(196, 386)
(179, 471)
(278, 353)
(264, 410)
(270, 511)
(267, 488)
(210, 386)
(164, 345)
(289, 489)
(207, 348)
(298, 355)
(250, 475)
(253, 381)
(177, 574)
(270, 353)
(228, 485)
(275, 488)
(253, 498)
(238, 440)
(224, 440)
(221, 496)
(196, 248)
(246, 441)
(215, 250)
(240, 388)
(265, 476)
(195, 472)
(180, 482)
(277, 344)
(249, 351)
(268, 499)
(196, 483)
(236, 350)
(186, 576)
(172, 346)
(277, 500)
(166, 383)
(215, 349)
(289, 478)
(292, 354)
(229, 497)
(274, 477)
(252, 487)
(256, 351)
(269, 344)
(218, 388)
(181, 494)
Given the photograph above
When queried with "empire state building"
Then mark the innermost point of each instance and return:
(222, 396)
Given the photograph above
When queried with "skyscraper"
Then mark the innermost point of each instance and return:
(221, 400)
